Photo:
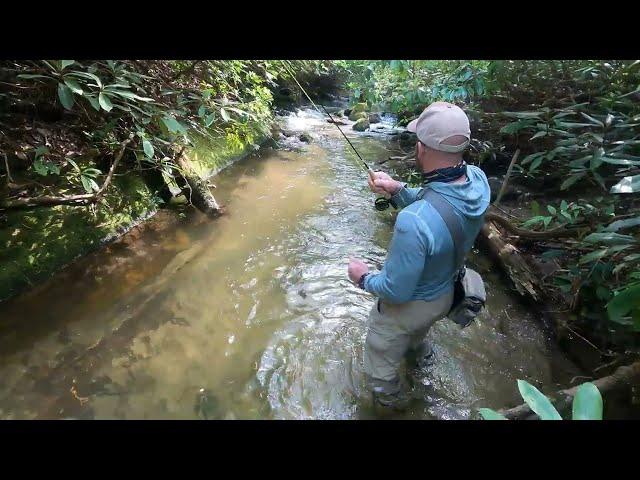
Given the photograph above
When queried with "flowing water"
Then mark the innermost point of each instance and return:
(252, 316)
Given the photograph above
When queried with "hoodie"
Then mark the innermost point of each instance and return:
(420, 263)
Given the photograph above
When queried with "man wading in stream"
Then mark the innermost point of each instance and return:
(415, 286)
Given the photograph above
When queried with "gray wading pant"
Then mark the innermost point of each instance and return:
(393, 330)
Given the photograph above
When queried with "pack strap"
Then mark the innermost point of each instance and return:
(446, 211)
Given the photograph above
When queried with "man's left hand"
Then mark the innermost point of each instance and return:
(356, 269)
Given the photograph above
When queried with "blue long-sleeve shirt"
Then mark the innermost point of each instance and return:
(420, 263)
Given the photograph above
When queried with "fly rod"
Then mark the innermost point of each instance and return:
(381, 203)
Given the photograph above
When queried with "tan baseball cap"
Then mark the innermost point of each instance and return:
(438, 122)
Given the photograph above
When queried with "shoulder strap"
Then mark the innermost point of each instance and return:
(452, 221)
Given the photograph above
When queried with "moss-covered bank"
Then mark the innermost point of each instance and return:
(37, 243)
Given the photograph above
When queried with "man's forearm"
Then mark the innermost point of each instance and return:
(404, 196)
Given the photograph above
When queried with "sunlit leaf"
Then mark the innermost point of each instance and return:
(105, 102)
(538, 402)
(593, 256)
(148, 148)
(541, 133)
(627, 185)
(488, 414)
(587, 404)
(609, 238)
(73, 86)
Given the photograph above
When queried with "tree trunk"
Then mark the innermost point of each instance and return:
(512, 263)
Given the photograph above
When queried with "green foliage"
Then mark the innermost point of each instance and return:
(538, 402)
(165, 103)
(587, 404)
(406, 86)
(489, 414)
(576, 122)
(42, 165)
(581, 125)
(86, 176)
(624, 307)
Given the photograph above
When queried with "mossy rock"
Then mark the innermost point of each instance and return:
(361, 125)
(355, 116)
(359, 107)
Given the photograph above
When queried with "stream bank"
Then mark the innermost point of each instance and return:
(39, 242)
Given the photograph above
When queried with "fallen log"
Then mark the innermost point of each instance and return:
(621, 378)
(196, 189)
(512, 263)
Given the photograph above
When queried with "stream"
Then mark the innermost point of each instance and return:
(252, 316)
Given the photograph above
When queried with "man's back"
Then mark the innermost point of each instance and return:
(421, 260)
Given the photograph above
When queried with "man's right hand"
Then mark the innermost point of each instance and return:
(382, 183)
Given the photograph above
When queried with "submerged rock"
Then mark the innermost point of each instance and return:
(206, 404)
(305, 138)
(374, 118)
(361, 125)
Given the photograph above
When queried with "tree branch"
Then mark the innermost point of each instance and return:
(559, 232)
(75, 200)
(622, 377)
(506, 178)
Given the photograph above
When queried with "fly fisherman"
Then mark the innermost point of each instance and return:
(416, 284)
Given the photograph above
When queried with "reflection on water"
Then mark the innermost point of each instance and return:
(249, 316)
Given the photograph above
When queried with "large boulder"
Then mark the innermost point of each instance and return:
(361, 125)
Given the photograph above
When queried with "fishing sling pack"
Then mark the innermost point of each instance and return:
(469, 292)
